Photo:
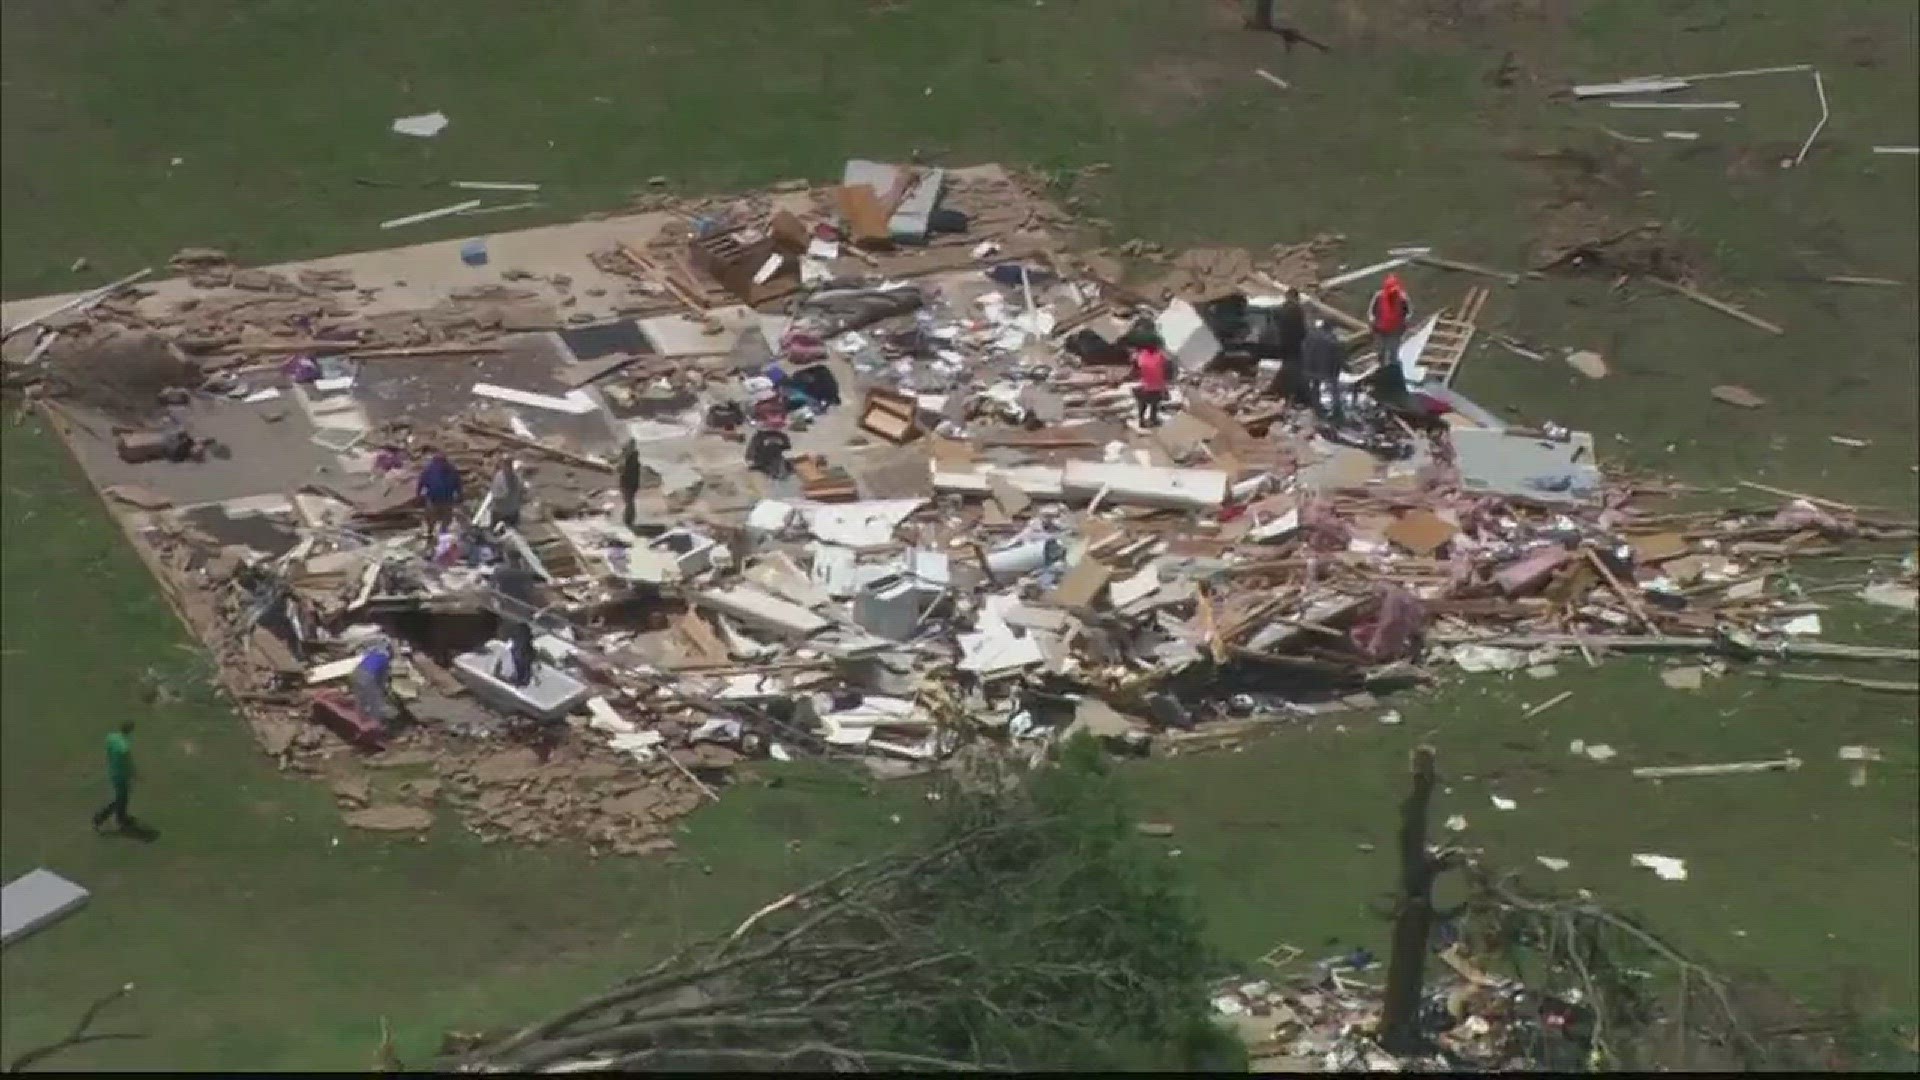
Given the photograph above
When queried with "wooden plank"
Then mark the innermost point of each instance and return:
(1852, 279)
(678, 291)
(576, 403)
(566, 456)
(1718, 305)
(1436, 261)
(1673, 104)
(84, 300)
(866, 218)
(429, 215)
(1785, 494)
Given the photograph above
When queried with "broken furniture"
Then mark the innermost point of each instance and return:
(892, 416)
(900, 208)
(755, 265)
(894, 607)
(337, 713)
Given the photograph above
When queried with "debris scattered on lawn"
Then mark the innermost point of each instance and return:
(895, 508)
(423, 126)
(1502, 803)
(390, 818)
(1552, 863)
(1457, 823)
(1669, 868)
(1858, 758)
(1673, 104)
(1272, 78)
(1738, 395)
(1597, 751)
(1892, 594)
(1732, 768)
(1588, 363)
(1664, 84)
(1547, 704)
(1682, 678)
(429, 215)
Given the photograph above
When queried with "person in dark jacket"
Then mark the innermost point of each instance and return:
(1290, 322)
(1388, 385)
(439, 491)
(1323, 357)
(629, 480)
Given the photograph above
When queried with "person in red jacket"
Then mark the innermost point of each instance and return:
(1388, 313)
(1154, 369)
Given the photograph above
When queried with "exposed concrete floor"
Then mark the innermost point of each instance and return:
(231, 523)
(265, 457)
(422, 275)
(432, 391)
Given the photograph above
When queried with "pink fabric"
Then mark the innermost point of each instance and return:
(1153, 369)
(1394, 630)
(1323, 528)
(1801, 515)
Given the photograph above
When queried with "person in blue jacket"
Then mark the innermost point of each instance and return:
(370, 682)
(439, 491)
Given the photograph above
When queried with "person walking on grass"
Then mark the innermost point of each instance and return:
(120, 775)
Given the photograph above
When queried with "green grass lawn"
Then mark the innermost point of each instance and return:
(258, 943)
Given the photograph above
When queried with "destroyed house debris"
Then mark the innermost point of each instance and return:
(854, 473)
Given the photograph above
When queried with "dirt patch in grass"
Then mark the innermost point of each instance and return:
(1168, 87)
(1585, 219)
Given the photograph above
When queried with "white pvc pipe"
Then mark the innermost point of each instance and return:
(84, 300)
(1736, 74)
(1820, 88)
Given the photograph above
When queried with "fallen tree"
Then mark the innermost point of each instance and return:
(1028, 931)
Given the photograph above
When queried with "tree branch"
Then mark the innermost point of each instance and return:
(80, 1035)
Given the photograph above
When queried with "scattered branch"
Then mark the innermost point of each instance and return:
(81, 1034)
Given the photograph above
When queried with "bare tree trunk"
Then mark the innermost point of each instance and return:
(1413, 916)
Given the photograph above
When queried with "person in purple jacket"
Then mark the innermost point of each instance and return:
(439, 491)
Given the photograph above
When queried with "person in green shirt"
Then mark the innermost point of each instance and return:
(120, 775)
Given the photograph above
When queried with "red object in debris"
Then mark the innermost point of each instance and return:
(1232, 511)
(337, 713)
